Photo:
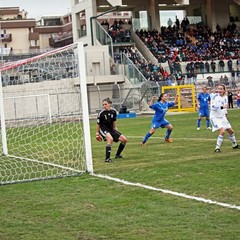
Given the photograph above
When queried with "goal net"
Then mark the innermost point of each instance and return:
(45, 129)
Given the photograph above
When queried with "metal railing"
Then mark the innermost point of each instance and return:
(132, 73)
(104, 38)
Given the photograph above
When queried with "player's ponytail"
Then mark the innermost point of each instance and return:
(160, 97)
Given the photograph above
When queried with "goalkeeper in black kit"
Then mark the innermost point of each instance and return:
(107, 129)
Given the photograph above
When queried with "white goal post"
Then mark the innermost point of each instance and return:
(45, 130)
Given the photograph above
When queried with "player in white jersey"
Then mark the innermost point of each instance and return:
(212, 93)
(219, 121)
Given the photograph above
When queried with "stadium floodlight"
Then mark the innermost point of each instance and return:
(45, 130)
(115, 3)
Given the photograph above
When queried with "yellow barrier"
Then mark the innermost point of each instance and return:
(186, 100)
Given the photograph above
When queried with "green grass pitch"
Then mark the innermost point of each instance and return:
(88, 207)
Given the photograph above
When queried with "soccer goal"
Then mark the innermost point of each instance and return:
(45, 130)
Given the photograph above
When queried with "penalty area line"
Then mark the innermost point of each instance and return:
(183, 195)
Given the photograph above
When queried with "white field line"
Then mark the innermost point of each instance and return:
(183, 195)
(190, 139)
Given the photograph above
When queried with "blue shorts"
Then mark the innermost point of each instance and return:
(161, 124)
(203, 112)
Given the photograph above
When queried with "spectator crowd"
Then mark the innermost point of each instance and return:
(201, 49)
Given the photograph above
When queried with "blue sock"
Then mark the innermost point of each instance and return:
(148, 135)
(198, 123)
(208, 123)
(168, 133)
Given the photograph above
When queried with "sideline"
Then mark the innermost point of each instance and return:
(183, 195)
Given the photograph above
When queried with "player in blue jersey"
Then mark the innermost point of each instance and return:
(158, 120)
(203, 106)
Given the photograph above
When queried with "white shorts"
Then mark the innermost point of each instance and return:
(218, 123)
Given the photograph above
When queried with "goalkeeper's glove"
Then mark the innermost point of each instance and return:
(98, 138)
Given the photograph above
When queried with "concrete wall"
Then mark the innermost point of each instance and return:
(32, 100)
(97, 60)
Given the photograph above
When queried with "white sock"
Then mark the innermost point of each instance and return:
(233, 138)
(219, 141)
